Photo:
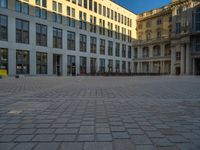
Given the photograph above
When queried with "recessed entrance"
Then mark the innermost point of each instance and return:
(57, 69)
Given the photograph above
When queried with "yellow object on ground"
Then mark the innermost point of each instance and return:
(3, 72)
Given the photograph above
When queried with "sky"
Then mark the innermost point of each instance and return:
(139, 6)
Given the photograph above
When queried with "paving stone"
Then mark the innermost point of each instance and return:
(161, 142)
(145, 147)
(43, 138)
(64, 138)
(86, 138)
(47, 146)
(120, 135)
(86, 130)
(102, 130)
(24, 146)
(123, 145)
(66, 131)
(98, 146)
(24, 138)
(7, 146)
(141, 139)
(71, 146)
(104, 137)
(135, 131)
(7, 138)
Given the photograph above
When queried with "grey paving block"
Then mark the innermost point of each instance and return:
(71, 146)
(98, 146)
(47, 146)
(7, 146)
(104, 137)
(43, 138)
(65, 138)
(123, 145)
(86, 137)
(24, 138)
(24, 146)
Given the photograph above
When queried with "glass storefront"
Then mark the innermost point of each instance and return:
(22, 62)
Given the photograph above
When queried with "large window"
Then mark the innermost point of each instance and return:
(124, 50)
(198, 19)
(41, 35)
(22, 7)
(93, 44)
(57, 38)
(3, 28)
(145, 52)
(124, 66)
(117, 49)
(102, 47)
(156, 50)
(102, 65)
(93, 65)
(70, 40)
(110, 65)
(85, 3)
(41, 62)
(3, 3)
(178, 27)
(83, 65)
(129, 52)
(22, 62)
(110, 48)
(83, 42)
(71, 64)
(4, 58)
(82, 20)
(117, 66)
(22, 31)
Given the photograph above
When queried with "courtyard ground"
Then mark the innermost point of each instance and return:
(100, 113)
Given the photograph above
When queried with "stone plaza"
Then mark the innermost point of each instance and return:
(100, 113)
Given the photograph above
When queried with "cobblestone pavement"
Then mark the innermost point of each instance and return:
(100, 113)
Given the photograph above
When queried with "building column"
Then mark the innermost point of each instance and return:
(50, 63)
(32, 62)
(12, 62)
(77, 65)
(188, 60)
(64, 65)
(182, 59)
(173, 60)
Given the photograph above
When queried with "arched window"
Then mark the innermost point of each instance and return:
(145, 52)
(198, 19)
(156, 50)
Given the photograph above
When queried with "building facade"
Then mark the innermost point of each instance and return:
(78, 37)
(65, 37)
(168, 39)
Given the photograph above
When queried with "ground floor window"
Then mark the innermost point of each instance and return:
(22, 62)
(41, 61)
(4, 59)
(129, 67)
(123, 66)
(71, 65)
(93, 65)
(102, 65)
(83, 65)
(110, 65)
(117, 66)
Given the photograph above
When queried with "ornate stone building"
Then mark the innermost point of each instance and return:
(169, 39)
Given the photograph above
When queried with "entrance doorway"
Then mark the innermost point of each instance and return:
(178, 70)
(57, 69)
(197, 66)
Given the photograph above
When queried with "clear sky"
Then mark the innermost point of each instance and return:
(139, 6)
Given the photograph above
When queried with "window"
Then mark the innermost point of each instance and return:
(156, 50)
(83, 43)
(198, 19)
(102, 47)
(197, 44)
(22, 62)
(54, 6)
(92, 65)
(83, 65)
(70, 40)
(95, 7)
(100, 9)
(92, 24)
(117, 66)
(148, 24)
(37, 2)
(148, 36)
(44, 3)
(37, 12)
(4, 58)
(90, 4)
(129, 52)
(101, 27)
(123, 50)
(159, 34)
(71, 17)
(21, 7)
(110, 48)
(41, 63)
(74, 1)
(85, 3)
(178, 56)
(178, 28)
(178, 11)
(102, 66)
(3, 3)
(159, 21)
(59, 7)
(110, 65)
(93, 44)
(82, 20)
(41, 35)
(3, 28)
(135, 53)
(145, 52)
(123, 66)
(117, 50)
(22, 31)
(71, 64)
(80, 2)
(57, 38)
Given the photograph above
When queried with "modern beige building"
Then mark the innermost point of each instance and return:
(49, 37)
(78, 37)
